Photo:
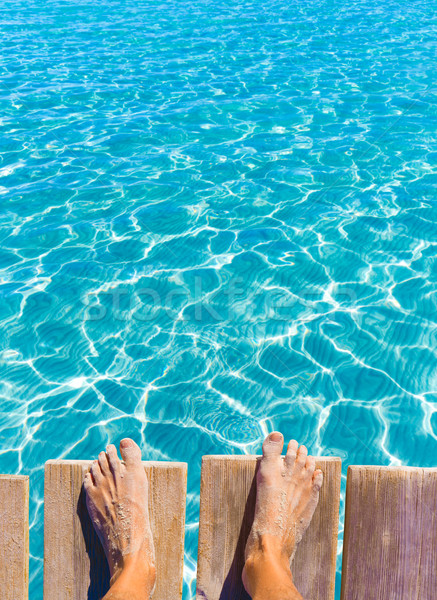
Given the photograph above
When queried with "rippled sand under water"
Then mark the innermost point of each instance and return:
(217, 218)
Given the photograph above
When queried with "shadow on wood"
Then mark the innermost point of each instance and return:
(233, 586)
(99, 570)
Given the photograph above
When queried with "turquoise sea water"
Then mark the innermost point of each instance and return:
(217, 219)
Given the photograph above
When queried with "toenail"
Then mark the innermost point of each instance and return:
(126, 443)
(275, 437)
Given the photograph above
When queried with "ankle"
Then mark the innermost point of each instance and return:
(267, 558)
(268, 548)
(135, 573)
(257, 563)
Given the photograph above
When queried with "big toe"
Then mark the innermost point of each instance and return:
(273, 444)
(130, 452)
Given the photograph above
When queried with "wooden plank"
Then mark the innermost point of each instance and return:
(227, 504)
(14, 537)
(390, 537)
(74, 563)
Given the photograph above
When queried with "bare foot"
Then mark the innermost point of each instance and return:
(287, 495)
(117, 502)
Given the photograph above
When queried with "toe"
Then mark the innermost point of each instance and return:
(112, 457)
(130, 452)
(301, 458)
(310, 465)
(290, 457)
(317, 481)
(103, 463)
(96, 472)
(273, 444)
(88, 482)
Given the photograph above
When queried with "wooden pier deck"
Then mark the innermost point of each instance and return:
(390, 537)
(74, 563)
(227, 503)
(14, 537)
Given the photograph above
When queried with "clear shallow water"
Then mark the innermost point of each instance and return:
(217, 218)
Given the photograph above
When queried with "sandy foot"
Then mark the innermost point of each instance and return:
(287, 495)
(117, 501)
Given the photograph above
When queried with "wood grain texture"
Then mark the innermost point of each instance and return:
(14, 537)
(74, 563)
(227, 503)
(390, 537)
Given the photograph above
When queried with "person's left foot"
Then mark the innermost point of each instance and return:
(117, 502)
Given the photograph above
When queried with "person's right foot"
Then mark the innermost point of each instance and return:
(117, 502)
(286, 498)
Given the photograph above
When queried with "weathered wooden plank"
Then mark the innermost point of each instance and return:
(74, 563)
(390, 537)
(14, 537)
(227, 503)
